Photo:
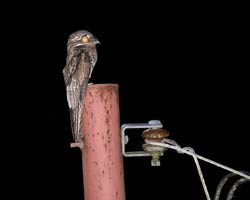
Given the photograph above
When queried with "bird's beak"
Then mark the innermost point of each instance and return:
(96, 41)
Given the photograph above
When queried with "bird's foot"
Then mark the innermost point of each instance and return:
(77, 144)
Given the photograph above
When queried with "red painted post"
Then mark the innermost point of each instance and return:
(101, 153)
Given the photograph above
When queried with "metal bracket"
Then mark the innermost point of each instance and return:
(151, 124)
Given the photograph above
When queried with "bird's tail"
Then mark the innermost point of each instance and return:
(76, 122)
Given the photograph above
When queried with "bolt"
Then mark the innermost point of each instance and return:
(155, 160)
(154, 122)
(126, 139)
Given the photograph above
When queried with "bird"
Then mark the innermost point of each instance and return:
(80, 62)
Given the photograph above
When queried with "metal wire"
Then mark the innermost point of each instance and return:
(221, 184)
(199, 172)
(182, 150)
(234, 187)
(171, 144)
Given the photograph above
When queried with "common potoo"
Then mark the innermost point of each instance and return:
(81, 59)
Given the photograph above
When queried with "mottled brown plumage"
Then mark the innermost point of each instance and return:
(81, 59)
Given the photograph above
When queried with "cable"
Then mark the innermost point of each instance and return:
(221, 184)
(171, 144)
(182, 150)
(199, 172)
(234, 187)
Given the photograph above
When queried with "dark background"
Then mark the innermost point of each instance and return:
(185, 66)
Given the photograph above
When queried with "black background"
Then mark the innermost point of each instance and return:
(185, 66)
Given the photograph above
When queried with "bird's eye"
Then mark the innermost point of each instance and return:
(85, 39)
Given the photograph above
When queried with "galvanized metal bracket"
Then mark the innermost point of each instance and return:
(151, 124)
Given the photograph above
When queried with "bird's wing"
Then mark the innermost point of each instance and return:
(76, 75)
(71, 64)
(76, 89)
(84, 73)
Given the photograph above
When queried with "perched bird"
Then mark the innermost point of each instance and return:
(81, 59)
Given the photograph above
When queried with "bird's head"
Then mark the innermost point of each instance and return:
(82, 38)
